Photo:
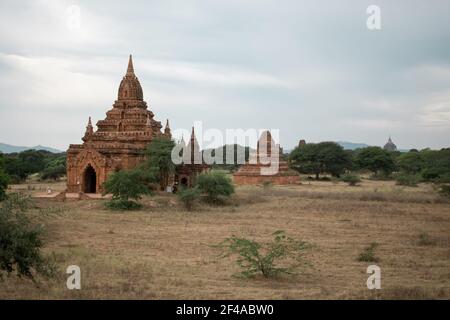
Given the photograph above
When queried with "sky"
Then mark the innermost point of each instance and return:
(312, 69)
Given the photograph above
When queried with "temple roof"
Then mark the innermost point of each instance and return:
(130, 88)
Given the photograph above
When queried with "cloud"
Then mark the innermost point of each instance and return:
(311, 69)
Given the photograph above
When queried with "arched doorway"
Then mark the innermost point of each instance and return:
(184, 182)
(90, 180)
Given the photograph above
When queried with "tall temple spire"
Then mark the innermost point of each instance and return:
(89, 129)
(130, 88)
(130, 69)
(167, 129)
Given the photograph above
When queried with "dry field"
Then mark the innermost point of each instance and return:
(164, 252)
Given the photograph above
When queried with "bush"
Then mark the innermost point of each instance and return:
(53, 172)
(254, 257)
(21, 241)
(368, 254)
(445, 191)
(351, 179)
(410, 180)
(216, 185)
(425, 240)
(4, 180)
(188, 196)
(120, 204)
(125, 185)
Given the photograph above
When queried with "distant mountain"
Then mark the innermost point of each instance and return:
(352, 145)
(7, 148)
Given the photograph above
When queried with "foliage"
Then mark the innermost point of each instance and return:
(19, 165)
(4, 179)
(445, 190)
(125, 185)
(159, 160)
(410, 162)
(122, 204)
(368, 254)
(188, 196)
(425, 240)
(265, 258)
(53, 173)
(351, 179)
(375, 159)
(21, 241)
(410, 180)
(318, 158)
(215, 184)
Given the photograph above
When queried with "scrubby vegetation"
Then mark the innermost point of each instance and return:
(125, 185)
(216, 185)
(351, 179)
(188, 196)
(48, 165)
(21, 241)
(265, 258)
(368, 254)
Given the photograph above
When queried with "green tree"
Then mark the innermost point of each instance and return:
(159, 160)
(410, 162)
(318, 158)
(125, 185)
(376, 160)
(215, 184)
(21, 241)
(188, 196)
(4, 179)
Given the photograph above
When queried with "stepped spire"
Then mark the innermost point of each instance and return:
(167, 129)
(130, 69)
(130, 88)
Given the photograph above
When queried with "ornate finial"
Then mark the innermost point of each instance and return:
(167, 129)
(89, 128)
(130, 69)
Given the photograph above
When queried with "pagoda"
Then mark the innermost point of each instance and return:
(266, 165)
(119, 141)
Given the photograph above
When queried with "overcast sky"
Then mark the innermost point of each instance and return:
(309, 68)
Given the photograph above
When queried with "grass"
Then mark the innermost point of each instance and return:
(164, 251)
(368, 254)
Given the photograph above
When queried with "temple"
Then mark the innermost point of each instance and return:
(390, 146)
(266, 165)
(193, 163)
(119, 141)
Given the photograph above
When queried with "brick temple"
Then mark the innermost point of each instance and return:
(119, 141)
(266, 165)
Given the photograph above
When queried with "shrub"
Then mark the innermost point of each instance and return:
(351, 179)
(188, 196)
(216, 185)
(125, 185)
(410, 180)
(121, 204)
(264, 258)
(4, 180)
(425, 240)
(368, 254)
(445, 191)
(21, 241)
(53, 172)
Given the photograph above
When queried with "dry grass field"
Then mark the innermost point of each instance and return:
(164, 252)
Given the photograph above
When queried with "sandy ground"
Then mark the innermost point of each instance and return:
(165, 252)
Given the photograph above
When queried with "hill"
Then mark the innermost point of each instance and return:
(8, 148)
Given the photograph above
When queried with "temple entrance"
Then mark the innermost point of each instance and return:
(90, 180)
(184, 182)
